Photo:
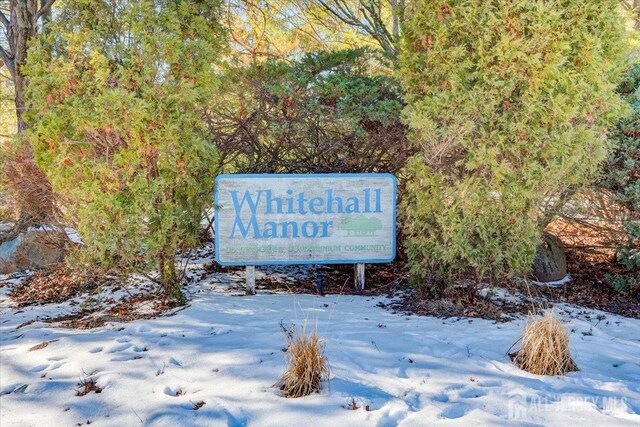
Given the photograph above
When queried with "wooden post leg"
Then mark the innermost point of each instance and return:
(358, 277)
(251, 279)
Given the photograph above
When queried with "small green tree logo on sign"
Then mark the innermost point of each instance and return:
(360, 226)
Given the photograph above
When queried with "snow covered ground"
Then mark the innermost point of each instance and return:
(226, 351)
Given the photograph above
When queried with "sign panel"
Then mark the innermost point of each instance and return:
(305, 219)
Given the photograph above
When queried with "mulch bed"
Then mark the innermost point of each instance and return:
(381, 279)
(55, 284)
(590, 287)
(590, 258)
(391, 280)
(142, 306)
(458, 302)
(61, 283)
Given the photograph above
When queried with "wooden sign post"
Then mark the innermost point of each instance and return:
(251, 280)
(358, 277)
(275, 219)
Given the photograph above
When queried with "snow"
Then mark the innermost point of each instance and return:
(554, 284)
(226, 350)
(73, 235)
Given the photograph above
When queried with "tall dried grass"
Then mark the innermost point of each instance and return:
(545, 347)
(307, 366)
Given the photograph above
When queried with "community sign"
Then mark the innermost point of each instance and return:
(305, 219)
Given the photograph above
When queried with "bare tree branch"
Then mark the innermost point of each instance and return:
(4, 20)
(368, 16)
(8, 61)
(45, 8)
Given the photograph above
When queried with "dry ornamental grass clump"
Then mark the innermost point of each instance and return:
(545, 347)
(307, 365)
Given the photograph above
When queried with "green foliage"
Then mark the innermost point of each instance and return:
(622, 178)
(117, 89)
(508, 102)
(622, 168)
(325, 112)
(628, 256)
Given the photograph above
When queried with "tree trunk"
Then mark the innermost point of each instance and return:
(28, 185)
(169, 277)
(23, 26)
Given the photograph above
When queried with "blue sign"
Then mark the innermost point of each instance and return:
(305, 218)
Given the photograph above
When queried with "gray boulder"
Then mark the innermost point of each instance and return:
(550, 264)
(31, 250)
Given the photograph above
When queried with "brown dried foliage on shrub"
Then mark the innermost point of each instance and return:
(29, 193)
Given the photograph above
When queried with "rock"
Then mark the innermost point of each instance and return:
(32, 249)
(5, 227)
(550, 264)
